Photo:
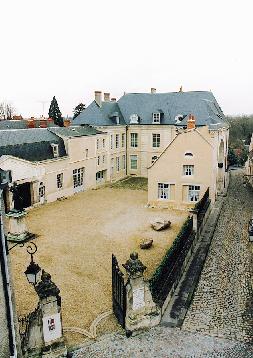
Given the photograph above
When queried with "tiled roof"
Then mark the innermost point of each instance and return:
(21, 124)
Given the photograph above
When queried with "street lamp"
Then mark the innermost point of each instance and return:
(33, 271)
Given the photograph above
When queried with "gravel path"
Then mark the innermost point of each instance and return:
(222, 305)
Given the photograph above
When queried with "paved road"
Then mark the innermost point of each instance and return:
(164, 342)
(222, 305)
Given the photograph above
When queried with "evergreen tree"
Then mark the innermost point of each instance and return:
(78, 109)
(55, 113)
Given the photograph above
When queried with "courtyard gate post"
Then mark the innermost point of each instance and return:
(44, 336)
(141, 311)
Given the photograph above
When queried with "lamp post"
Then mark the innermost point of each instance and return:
(33, 270)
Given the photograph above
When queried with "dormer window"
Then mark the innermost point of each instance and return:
(134, 119)
(156, 117)
(55, 148)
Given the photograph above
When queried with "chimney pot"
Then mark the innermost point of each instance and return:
(107, 97)
(98, 97)
(153, 90)
(191, 122)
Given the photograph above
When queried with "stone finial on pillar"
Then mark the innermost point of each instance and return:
(134, 267)
(141, 311)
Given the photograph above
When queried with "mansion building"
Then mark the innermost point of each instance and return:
(178, 140)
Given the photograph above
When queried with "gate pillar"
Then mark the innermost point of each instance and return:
(141, 311)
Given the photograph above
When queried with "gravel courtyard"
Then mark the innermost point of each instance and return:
(76, 239)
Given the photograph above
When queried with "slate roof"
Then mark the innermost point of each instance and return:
(100, 116)
(21, 124)
(200, 103)
(75, 131)
(33, 144)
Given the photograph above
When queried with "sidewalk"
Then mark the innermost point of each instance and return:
(177, 308)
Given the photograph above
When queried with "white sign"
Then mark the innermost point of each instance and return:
(138, 298)
(52, 327)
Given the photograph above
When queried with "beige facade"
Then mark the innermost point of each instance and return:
(194, 161)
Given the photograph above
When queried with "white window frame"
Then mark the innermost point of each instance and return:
(135, 161)
(163, 191)
(103, 142)
(117, 164)
(134, 140)
(193, 193)
(112, 166)
(59, 180)
(123, 162)
(78, 176)
(188, 170)
(123, 140)
(156, 118)
(134, 119)
(117, 141)
(111, 141)
(86, 153)
(55, 148)
(97, 143)
(103, 159)
(156, 140)
(98, 160)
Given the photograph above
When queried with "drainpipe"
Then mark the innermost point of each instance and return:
(6, 286)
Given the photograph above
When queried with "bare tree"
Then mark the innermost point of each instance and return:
(7, 110)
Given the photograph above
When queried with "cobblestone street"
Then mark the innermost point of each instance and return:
(222, 302)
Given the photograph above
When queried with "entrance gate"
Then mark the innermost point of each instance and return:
(118, 293)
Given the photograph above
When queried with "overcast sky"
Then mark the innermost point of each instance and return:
(69, 48)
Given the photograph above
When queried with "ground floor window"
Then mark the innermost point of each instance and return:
(117, 164)
(193, 192)
(123, 162)
(59, 180)
(112, 166)
(133, 161)
(163, 191)
(41, 190)
(78, 177)
(100, 176)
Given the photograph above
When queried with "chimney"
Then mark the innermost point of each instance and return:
(107, 97)
(43, 123)
(98, 97)
(153, 90)
(113, 99)
(66, 122)
(31, 123)
(191, 122)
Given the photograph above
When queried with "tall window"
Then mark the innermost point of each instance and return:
(86, 153)
(188, 170)
(156, 118)
(111, 141)
(98, 159)
(163, 191)
(78, 177)
(133, 161)
(117, 164)
(193, 192)
(59, 180)
(156, 140)
(112, 165)
(134, 140)
(117, 141)
(97, 143)
(103, 159)
(123, 162)
(103, 143)
(123, 140)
